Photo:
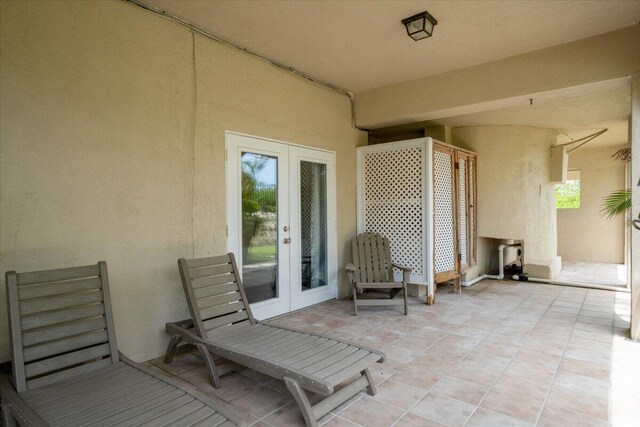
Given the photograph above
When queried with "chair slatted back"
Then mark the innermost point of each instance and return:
(61, 324)
(214, 293)
(372, 258)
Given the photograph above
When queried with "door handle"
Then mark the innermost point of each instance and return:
(287, 240)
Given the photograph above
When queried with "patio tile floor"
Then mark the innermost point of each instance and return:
(594, 273)
(500, 354)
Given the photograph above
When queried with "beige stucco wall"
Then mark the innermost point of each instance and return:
(584, 234)
(108, 152)
(515, 198)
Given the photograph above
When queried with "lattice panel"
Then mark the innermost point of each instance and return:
(462, 203)
(443, 212)
(313, 207)
(393, 202)
(472, 207)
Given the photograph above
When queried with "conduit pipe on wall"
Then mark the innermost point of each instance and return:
(500, 274)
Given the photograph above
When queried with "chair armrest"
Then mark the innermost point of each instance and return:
(19, 408)
(402, 267)
(351, 269)
(406, 272)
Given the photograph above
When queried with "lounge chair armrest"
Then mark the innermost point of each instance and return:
(171, 327)
(175, 328)
(16, 404)
(402, 267)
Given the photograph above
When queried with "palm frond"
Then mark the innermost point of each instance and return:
(616, 203)
(623, 155)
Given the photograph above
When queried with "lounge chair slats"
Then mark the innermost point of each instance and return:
(65, 345)
(224, 326)
(64, 330)
(105, 403)
(66, 366)
(204, 262)
(214, 270)
(127, 403)
(68, 402)
(60, 316)
(337, 347)
(65, 360)
(58, 275)
(215, 300)
(346, 371)
(39, 305)
(68, 373)
(142, 410)
(76, 384)
(216, 311)
(214, 290)
(153, 410)
(216, 283)
(334, 358)
(55, 288)
(228, 319)
(292, 359)
(302, 343)
(278, 340)
(260, 334)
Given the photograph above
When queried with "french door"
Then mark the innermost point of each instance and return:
(281, 223)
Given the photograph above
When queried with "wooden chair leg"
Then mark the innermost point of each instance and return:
(213, 369)
(371, 388)
(406, 305)
(301, 399)
(171, 349)
(355, 300)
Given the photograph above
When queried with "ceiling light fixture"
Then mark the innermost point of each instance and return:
(420, 26)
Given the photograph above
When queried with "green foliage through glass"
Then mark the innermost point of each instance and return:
(568, 195)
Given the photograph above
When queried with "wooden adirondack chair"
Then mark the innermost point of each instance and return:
(372, 268)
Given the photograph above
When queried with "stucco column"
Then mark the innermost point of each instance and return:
(635, 210)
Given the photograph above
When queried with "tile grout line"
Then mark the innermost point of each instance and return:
(464, 357)
(511, 360)
(555, 375)
(406, 411)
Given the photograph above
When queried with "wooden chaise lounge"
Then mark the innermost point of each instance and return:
(67, 370)
(222, 325)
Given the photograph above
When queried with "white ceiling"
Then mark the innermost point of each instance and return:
(361, 45)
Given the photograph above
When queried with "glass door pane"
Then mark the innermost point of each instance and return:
(313, 225)
(259, 184)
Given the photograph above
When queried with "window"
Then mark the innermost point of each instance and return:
(568, 193)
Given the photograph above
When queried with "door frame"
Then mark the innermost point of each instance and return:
(234, 146)
(300, 298)
(287, 258)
